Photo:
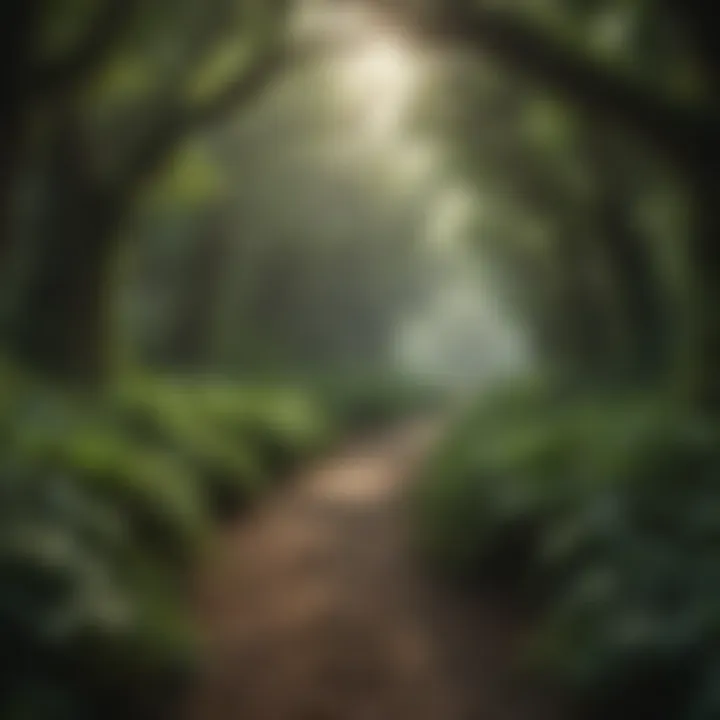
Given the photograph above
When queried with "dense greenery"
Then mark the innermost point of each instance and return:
(212, 242)
(106, 504)
(602, 511)
(590, 490)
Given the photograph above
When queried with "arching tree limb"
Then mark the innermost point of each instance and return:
(175, 121)
(681, 133)
(108, 26)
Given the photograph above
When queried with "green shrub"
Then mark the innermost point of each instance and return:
(372, 403)
(70, 596)
(159, 498)
(236, 438)
(606, 511)
(103, 505)
(283, 425)
(168, 415)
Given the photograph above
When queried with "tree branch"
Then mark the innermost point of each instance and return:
(679, 132)
(244, 88)
(175, 121)
(105, 30)
(698, 19)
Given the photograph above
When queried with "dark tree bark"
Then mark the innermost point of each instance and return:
(65, 321)
(64, 313)
(18, 24)
(105, 29)
(698, 18)
(580, 321)
(584, 312)
(25, 82)
(705, 261)
(640, 296)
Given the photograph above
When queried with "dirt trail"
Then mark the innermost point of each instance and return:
(314, 609)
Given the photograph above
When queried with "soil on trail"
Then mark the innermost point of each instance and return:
(315, 609)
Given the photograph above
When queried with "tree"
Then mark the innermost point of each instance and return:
(683, 132)
(193, 62)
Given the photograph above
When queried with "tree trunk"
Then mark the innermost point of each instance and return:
(60, 327)
(638, 295)
(17, 30)
(62, 330)
(704, 254)
(588, 339)
(633, 275)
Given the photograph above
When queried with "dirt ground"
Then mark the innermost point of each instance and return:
(314, 608)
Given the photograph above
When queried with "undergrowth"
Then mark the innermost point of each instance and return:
(105, 503)
(604, 511)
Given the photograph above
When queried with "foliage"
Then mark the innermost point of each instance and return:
(603, 511)
(371, 403)
(232, 435)
(577, 142)
(105, 504)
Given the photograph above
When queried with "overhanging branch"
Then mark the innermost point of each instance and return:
(680, 132)
(175, 121)
(247, 85)
(107, 27)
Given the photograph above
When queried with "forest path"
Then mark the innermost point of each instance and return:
(315, 609)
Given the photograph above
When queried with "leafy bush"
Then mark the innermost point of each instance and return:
(104, 503)
(236, 438)
(71, 600)
(370, 403)
(168, 415)
(281, 424)
(605, 511)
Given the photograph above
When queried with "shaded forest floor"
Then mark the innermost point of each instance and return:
(314, 608)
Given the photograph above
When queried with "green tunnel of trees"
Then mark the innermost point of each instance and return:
(89, 145)
(174, 204)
